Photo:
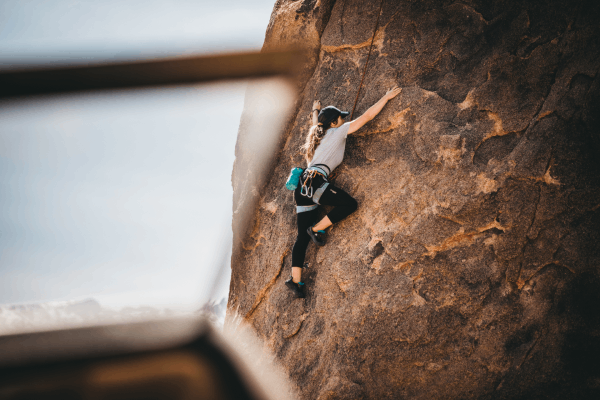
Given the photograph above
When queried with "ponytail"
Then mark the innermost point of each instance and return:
(315, 134)
(327, 116)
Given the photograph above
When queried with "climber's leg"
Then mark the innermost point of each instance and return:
(296, 274)
(322, 224)
(305, 220)
(295, 284)
(345, 205)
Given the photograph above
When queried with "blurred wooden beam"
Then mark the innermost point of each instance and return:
(157, 72)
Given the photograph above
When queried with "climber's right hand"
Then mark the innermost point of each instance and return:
(393, 92)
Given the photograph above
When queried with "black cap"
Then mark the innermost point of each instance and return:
(331, 113)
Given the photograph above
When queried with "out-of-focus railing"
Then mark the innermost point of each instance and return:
(158, 72)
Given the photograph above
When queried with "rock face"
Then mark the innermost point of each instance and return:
(472, 266)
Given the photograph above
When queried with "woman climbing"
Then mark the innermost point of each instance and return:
(324, 151)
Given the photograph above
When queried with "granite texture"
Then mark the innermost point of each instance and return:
(471, 269)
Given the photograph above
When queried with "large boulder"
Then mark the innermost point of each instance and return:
(472, 266)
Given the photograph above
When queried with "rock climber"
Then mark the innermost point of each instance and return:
(324, 151)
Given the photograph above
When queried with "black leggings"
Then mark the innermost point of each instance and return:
(333, 196)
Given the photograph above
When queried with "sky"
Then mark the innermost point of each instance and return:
(79, 31)
(122, 196)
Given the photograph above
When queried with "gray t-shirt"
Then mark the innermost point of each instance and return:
(331, 149)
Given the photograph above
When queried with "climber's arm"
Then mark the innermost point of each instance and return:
(373, 110)
(315, 112)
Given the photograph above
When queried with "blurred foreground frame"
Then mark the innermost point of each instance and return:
(19, 82)
(182, 358)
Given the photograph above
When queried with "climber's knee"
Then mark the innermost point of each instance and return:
(352, 205)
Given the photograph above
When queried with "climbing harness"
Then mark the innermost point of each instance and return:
(306, 190)
(309, 174)
(296, 173)
(301, 209)
(367, 63)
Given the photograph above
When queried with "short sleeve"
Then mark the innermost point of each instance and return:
(342, 131)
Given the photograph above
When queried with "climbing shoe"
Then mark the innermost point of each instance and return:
(317, 237)
(297, 288)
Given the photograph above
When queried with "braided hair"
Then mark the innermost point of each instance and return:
(316, 133)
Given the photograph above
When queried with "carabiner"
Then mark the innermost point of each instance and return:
(303, 190)
(306, 191)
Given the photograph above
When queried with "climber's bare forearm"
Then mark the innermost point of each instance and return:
(315, 112)
(373, 110)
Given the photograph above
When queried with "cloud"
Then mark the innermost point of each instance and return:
(67, 314)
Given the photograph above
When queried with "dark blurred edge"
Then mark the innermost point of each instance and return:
(192, 363)
(158, 72)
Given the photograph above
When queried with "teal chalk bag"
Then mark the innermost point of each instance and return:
(294, 178)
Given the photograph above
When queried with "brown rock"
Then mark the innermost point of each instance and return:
(471, 268)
